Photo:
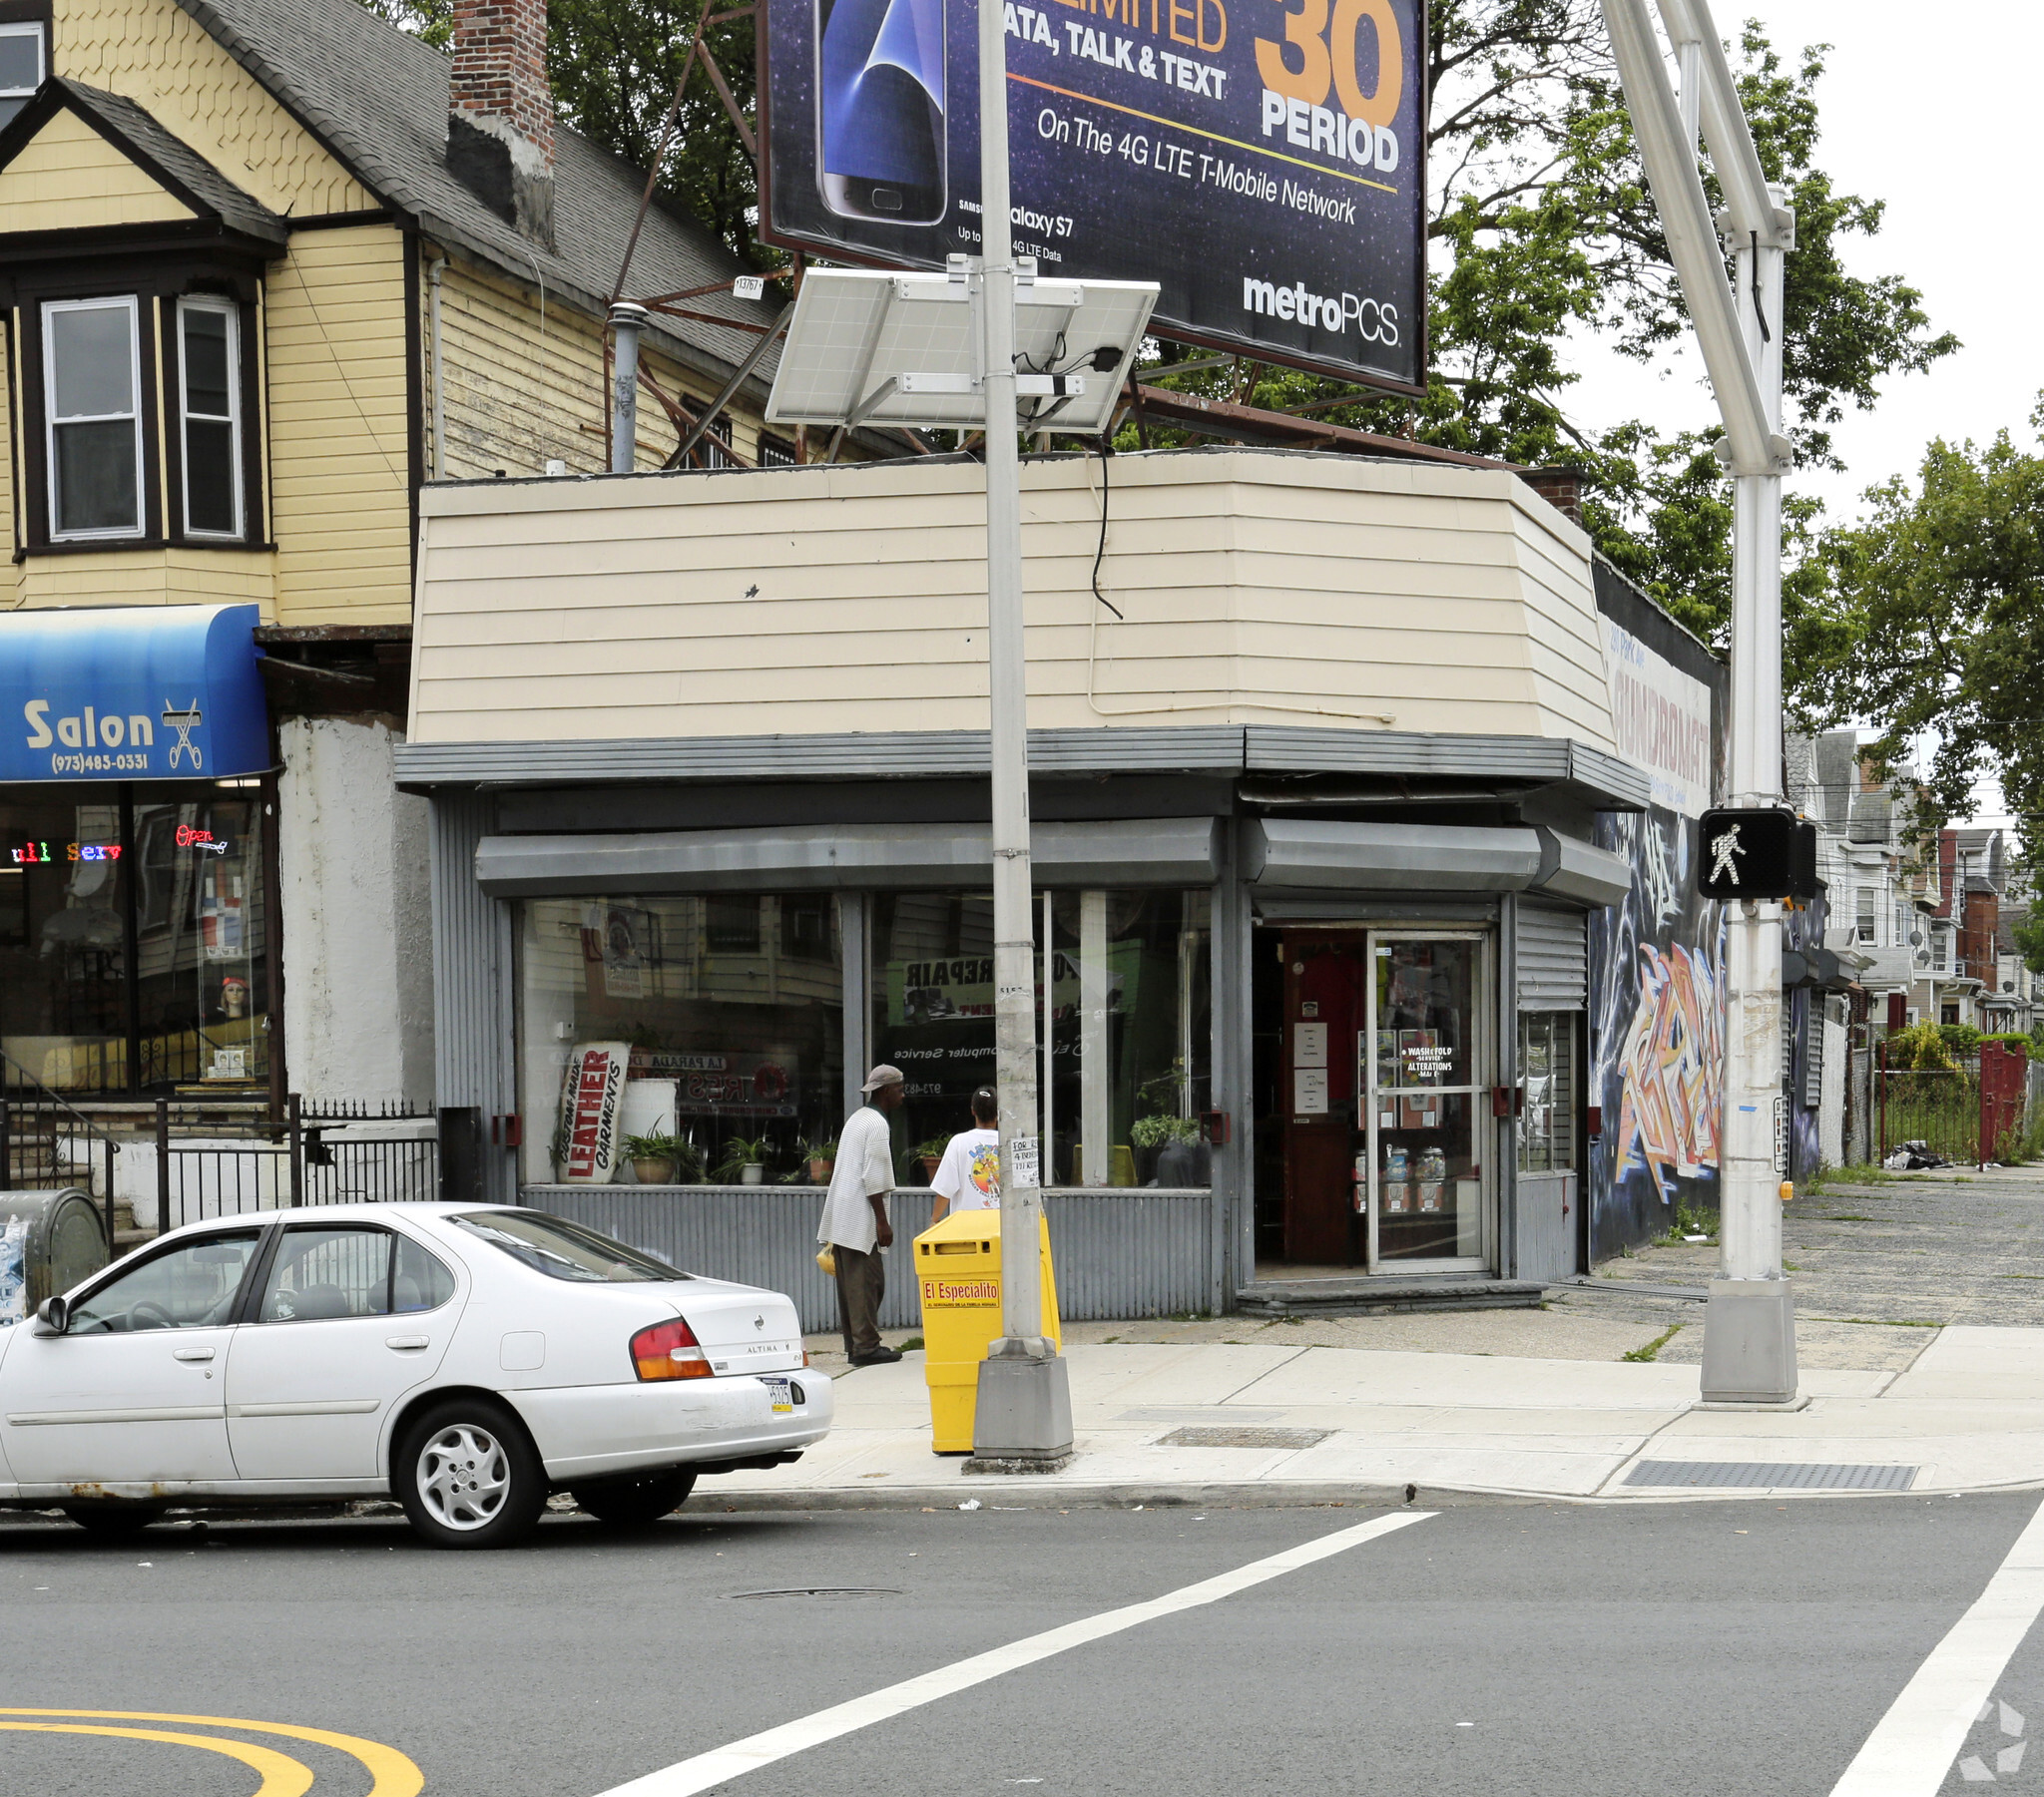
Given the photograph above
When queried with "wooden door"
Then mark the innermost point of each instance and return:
(1323, 1009)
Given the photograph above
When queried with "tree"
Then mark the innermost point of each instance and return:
(1931, 625)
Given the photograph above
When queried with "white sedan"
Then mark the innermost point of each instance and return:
(467, 1359)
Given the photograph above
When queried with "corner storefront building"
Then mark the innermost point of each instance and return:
(1324, 785)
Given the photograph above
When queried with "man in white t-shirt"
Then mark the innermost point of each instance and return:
(970, 1175)
(854, 1222)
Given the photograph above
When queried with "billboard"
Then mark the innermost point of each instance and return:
(1264, 161)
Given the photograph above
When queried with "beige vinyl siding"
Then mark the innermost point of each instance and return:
(339, 490)
(153, 576)
(156, 54)
(516, 399)
(1256, 588)
(69, 178)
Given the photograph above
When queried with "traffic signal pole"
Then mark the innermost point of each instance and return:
(1750, 1322)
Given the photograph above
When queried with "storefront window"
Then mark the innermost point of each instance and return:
(203, 987)
(1547, 1070)
(133, 946)
(63, 940)
(726, 1012)
(1130, 995)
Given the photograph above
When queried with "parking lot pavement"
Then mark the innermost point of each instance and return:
(1496, 1646)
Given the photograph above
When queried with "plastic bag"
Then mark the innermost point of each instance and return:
(14, 1270)
(826, 1261)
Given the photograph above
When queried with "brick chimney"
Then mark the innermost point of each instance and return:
(500, 111)
(1562, 488)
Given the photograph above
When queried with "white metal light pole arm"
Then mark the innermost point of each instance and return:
(1748, 206)
(1691, 236)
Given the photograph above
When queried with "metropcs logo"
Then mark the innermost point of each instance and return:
(1374, 320)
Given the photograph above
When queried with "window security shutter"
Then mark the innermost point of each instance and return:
(1551, 949)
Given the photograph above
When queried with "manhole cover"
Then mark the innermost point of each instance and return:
(1773, 1476)
(825, 1591)
(1243, 1438)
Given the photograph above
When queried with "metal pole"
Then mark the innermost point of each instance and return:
(627, 321)
(1024, 1409)
(298, 1153)
(163, 1164)
(1749, 1321)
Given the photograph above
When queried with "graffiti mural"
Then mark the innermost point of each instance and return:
(1656, 1053)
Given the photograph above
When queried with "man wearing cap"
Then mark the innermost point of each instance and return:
(855, 1225)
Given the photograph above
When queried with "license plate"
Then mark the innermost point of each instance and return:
(781, 1395)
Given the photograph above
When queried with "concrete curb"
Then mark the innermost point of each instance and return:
(1031, 1494)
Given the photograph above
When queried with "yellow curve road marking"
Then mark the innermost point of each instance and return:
(392, 1773)
(282, 1776)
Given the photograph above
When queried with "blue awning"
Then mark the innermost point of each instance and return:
(132, 693)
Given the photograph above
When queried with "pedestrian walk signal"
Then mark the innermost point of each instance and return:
(1762, 853)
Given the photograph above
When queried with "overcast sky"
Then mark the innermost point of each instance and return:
(1934, 111)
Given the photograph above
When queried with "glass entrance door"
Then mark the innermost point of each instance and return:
(1423, 1060)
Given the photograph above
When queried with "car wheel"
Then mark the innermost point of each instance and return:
(636, 1502)
(113, 1521)
(469, 1477)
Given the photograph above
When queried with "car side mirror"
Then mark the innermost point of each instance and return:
(53, 1317)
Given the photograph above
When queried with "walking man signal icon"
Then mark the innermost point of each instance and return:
(1761, 853)
(1723, 847)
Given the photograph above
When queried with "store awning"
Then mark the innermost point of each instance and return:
(132, 693)
(1314, 854)
(1140, 851)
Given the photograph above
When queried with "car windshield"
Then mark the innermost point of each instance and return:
(563, 1250)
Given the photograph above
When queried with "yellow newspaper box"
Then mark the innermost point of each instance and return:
(958, 1265)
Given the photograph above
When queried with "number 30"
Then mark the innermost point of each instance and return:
(1327, 59)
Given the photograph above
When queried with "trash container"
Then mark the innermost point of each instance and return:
(959, 1266)
(60, 1240)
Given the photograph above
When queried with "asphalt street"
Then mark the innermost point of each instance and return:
(1710, 1647)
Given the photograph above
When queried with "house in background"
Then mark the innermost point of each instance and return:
(268, 268)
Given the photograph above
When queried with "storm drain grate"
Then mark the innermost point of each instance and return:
(1804, 1477)
(1243, 1438)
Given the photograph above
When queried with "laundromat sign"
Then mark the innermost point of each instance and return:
(132, 693)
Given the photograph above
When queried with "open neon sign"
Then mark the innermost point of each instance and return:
(34, 854)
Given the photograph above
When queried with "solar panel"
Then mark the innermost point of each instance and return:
(865, 346)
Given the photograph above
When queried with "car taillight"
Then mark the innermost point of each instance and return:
(670, 1351)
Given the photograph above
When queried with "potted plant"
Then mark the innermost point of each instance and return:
(659, 1159)
(745, 1162)
(821, 1157)
(1168, 1146)
(929, 1154)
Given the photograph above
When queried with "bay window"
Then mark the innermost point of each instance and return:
(92, 385)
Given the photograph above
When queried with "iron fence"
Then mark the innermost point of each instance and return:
(324, 1153)
(47, 1144)
(1971, 1112)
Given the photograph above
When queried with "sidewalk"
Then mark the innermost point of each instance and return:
(1914, 1302)
(1213, 1423)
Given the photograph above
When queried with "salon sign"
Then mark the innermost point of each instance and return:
(132, 693)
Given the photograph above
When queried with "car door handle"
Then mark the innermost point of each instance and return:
(402, 1342)
(191, 1353)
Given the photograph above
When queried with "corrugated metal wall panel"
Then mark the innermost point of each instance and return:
(472, 1004)
(1118, 1252)
(1552, 957)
